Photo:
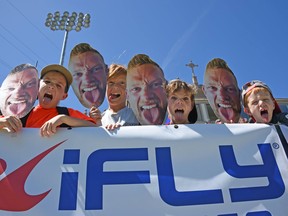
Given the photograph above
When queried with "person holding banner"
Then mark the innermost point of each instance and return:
(222, 92)
(181, 104)
(89, 72)
(146, 93)
(117, 114)
(54, 85)
(260, 105)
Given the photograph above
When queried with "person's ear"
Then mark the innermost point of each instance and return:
(247, 111)
(203, 89)
(65, 95)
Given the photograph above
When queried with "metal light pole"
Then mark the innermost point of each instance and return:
(67, 23)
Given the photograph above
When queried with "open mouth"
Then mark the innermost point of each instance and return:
(264, 112)
(114, 95)
(17, 106)
(226, 112)
(91, 95)
(224, 106)
(16, 102)
(150, 113)
(147, 107)
(47, 97)
(89, 89)
(179, 111)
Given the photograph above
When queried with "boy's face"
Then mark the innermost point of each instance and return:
(52, 89)
(89, 78)
(221, 90)
(146, 94)
(116, 91)
(19, 92)
(179, 106)
(260, 105)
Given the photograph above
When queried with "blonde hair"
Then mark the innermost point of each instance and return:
(116, 70)
(255, 91)
(177, 84)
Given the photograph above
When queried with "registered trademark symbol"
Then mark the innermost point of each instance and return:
(275, 145)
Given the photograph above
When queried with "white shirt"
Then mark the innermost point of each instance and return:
(125, 117)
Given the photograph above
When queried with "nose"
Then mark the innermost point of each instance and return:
(19, 91)
(223, 93)
(89, 77)
(179, 101)
(148, 92)
(51, 85)
(261, 102)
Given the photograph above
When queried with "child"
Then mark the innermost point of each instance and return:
(54, 85)
(181, 105)
(117, 114)
(260, 105)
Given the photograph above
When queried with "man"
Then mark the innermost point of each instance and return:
(19, 91)
(89, 73)
(221, 89)
(146, 90)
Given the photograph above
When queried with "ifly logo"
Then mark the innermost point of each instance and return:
(97, 178)
(13, 196)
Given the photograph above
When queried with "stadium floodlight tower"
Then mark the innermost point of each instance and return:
(67, 23)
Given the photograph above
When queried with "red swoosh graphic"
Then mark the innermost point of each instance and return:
(12, 193)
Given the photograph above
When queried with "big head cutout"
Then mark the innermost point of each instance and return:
(146, 90)
(89, 73)
(221, 89)
(19, 91)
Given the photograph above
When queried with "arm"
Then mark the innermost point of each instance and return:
(49, 127)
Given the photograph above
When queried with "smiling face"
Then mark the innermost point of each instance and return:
(260, 105)
(19, 92)
(89, 78)
(146, 94)
(52, 89)
(223, 94)
(179, 106)
(116, 92)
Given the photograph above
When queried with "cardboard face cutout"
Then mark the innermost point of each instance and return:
(19, 91)
(89, 73)
(220, 88)
(146, 94)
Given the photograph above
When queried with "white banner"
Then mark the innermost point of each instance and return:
(198, 170)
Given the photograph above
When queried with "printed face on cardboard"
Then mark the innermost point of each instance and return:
(19, 92)
(223, 94)
(89, 78)
(146, 94)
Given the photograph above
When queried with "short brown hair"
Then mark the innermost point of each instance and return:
(141, 59)
(219, 63)
(177, 84)
(22, 67)
(82, 48)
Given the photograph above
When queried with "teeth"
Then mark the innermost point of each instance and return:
(148, 107)
(89, 89)
(16, 102)
(224, 105)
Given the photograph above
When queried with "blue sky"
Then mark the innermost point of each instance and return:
(252, 36)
